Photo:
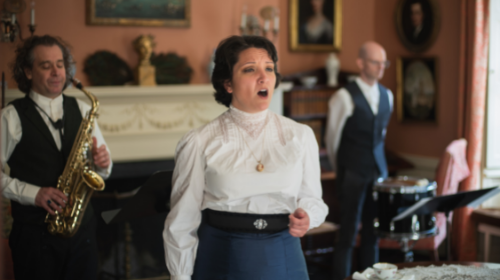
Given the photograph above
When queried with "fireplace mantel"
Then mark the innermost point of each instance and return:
(145, 123)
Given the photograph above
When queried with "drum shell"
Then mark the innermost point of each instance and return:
(390, 204)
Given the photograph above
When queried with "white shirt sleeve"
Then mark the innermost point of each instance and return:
(311, 192)
(180, 236)
(11, 133)
(12, 188)
(391, 99)
(96, 132)
(340, 107)
(391, 105)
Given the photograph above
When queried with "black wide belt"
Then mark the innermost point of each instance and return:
(243, 222)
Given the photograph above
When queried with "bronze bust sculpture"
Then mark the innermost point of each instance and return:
(145, 72)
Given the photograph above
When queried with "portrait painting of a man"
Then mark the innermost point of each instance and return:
(315, 25)
(417, 23)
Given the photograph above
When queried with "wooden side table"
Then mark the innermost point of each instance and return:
(488, 228)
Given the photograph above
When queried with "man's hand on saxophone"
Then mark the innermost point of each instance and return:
(42, 160)
(50, 199)
(100, 155)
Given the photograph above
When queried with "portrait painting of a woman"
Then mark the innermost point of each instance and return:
(317, 29)
(315, 25)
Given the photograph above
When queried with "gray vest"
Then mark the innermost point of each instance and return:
(361, 148)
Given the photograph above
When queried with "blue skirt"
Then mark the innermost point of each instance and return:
(224, 255)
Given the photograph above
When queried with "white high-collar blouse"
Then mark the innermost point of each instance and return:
(215, 169)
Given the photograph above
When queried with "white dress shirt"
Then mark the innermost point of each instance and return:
(215, 169)
(341, 107)
(12, 131)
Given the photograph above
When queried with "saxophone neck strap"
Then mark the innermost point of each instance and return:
(59, 124)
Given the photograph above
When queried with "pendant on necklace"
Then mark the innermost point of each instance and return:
(260, 167)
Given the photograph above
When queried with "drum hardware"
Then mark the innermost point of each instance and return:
(395, 195)
(433, 220)
(407, 248)
(410, 236)
(415, 225)
(447, 203)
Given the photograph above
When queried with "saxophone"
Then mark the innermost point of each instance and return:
(78, 181)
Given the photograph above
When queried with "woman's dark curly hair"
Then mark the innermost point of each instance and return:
(227, 55)
(25, 58)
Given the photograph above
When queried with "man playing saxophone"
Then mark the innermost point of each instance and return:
(38, 132)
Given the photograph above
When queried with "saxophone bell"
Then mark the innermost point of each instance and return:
(93, 180)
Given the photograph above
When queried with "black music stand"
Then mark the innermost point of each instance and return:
(151, 199)
(446, 204)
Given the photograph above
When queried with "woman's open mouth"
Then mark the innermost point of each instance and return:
(262, 92)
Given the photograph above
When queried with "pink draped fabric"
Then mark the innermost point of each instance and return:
(453, 167)
(473, 73)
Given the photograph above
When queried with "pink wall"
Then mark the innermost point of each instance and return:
(216, 19)
(211, 21)
(424, 139)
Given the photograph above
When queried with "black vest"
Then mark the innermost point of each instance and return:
(36, 159)
(361, 146)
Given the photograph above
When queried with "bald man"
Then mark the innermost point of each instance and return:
(357, 120)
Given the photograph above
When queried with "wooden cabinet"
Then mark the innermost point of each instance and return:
(310, 105)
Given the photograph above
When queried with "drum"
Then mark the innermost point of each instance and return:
(395, 195)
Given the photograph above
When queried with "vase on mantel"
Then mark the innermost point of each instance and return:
(211, 66)
(332, 66)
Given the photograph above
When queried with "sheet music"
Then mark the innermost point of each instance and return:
(415, 206)
(430, 204)
(483, 198)
(107, 216)
(150, 199)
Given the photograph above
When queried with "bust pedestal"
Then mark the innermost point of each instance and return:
(145, 75)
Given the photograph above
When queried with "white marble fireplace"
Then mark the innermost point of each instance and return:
(145, 123)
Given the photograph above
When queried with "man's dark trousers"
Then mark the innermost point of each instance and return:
(356, 205)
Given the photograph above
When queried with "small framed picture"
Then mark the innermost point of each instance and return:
(417, 85)
(174, 13)
(417, 23)
(315, 25)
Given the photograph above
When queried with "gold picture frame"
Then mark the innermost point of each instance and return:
(417, 89)
(170, 13)
(417, 23)
(318, 38)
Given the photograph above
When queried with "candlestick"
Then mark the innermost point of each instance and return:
(244, 18)
(266, 25)
(32, 28)
(276, 25)
(32, 13)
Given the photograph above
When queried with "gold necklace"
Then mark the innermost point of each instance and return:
(260, 166)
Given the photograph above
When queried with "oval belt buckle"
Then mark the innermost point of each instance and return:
(260, 224)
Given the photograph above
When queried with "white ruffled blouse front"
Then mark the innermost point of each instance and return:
(216, 168)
